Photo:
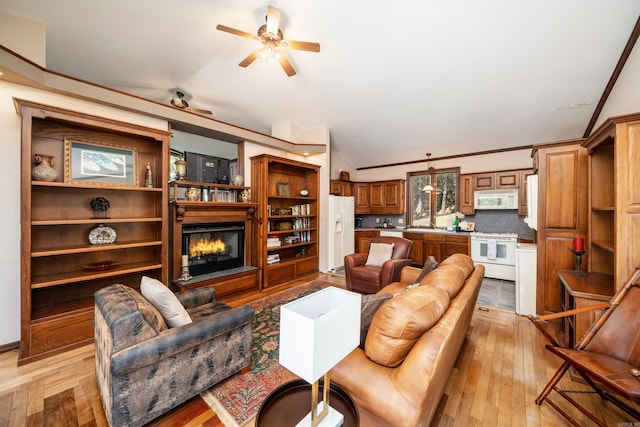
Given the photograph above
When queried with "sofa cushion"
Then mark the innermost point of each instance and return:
(370, 305)
(429, 265)
(461, 261)
(165, 301)
(399, 323)
(379, 253)
(449, 278)
(151, 315)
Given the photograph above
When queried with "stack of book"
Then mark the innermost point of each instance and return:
(273, 259)
(273, 242)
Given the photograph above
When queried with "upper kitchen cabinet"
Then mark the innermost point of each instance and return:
(381, 197)
(341, 187)
(466, 195)
(562, 214)
(614, 198)
(386, 197)
(361, 197)
(500, 180)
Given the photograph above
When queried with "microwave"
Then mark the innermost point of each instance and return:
(496, 199)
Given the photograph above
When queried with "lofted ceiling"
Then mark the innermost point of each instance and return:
(392, 81)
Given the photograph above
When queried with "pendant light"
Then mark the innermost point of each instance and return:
(429, 188)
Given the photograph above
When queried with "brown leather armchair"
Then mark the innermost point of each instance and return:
(368, 279)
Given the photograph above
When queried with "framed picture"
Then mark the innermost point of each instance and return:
(99, 164)
(283, 188)
(173, 157)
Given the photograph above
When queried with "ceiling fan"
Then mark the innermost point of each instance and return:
(179, 102)
(271, 38)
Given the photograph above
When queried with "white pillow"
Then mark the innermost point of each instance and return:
(165, 302)
(379, 253)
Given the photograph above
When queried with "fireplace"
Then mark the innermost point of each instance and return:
(213, 247)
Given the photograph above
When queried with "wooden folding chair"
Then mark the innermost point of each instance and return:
(608, 355)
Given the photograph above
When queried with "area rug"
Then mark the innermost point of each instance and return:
(237, 399)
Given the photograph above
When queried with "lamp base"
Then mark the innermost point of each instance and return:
(332, 419)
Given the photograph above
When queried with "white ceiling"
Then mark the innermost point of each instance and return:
(392, 81)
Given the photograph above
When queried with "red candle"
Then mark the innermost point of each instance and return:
(578, 244)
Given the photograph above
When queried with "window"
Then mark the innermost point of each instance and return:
(432, 208)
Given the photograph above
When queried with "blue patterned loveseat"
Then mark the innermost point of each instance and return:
(144, 368)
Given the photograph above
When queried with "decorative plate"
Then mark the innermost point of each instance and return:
(102, 235)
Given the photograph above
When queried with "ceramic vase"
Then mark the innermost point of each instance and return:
(44, 170)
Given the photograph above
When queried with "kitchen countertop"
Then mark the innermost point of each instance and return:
(415, 230)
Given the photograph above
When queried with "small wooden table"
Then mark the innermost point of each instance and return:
(291, 402)
(582, 291)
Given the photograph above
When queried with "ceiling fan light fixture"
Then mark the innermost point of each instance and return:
(269, 53)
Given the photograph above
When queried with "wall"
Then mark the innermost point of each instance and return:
(625, 96)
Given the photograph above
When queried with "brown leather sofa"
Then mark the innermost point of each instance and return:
(369, 279)
(404, 389)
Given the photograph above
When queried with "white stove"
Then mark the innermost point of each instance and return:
(497, 252)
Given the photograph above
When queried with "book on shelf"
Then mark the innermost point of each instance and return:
(273, 258)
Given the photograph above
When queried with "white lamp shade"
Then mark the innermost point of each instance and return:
(319, 330)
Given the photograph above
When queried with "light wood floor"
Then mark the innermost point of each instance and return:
(498, 375)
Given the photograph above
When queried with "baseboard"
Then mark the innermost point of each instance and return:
(9, 346)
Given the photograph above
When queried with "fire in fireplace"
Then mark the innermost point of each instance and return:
(213, 247)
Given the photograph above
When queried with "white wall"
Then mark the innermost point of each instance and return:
(520, 159)
(625, 96)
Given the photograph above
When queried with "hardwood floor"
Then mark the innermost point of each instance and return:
(502, 367)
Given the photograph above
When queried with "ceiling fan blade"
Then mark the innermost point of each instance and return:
(308, 46)
(273, 20)
(286, 65)
(234, 31)
(249, 59)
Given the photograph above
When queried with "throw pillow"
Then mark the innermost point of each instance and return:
(400, 322)
(164, 301)
(370, 304)
(379, 253)
(429, 265)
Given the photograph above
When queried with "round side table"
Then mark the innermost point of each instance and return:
(291, 402)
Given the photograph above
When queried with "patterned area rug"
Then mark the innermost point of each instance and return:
(237, 399)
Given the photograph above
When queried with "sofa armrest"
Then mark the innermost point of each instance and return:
(175, 340)
(391, 269)
(196, 297)
(409, 275)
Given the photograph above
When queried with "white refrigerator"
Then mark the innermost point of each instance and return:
(341, 230)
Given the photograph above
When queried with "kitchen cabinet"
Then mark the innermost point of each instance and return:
(380, 197)
(456, 244)
(508, 179)
(433, 245)
(466, 195)
(386, 197)
(340, 187)
(61, 265)
(522, 194)
(438, 245)
(484, 181)
(363, 240)
(361, 197)
(286, 223)
(614, 187)
(562, 214)
(499, 180)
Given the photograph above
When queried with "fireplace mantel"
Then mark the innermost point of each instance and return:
(185, 212)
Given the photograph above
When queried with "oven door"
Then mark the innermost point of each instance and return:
(493, 251)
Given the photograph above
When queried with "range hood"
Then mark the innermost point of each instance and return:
(496, 199)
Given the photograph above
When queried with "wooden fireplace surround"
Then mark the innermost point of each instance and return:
(187, 212)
